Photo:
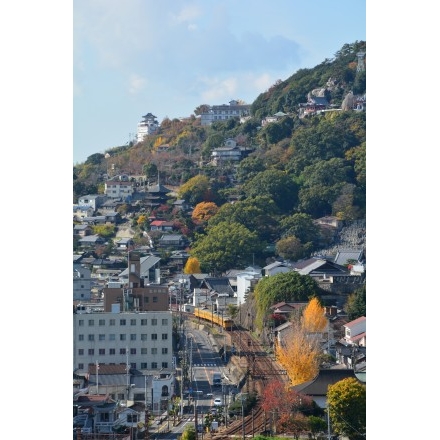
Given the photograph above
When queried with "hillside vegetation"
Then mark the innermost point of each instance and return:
(298, 169)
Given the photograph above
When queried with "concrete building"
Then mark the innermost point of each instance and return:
(82, 283)
(224, 112)
(142, 340)
(135, 293)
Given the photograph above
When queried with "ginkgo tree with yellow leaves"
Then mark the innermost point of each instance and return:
(192, 265)
(313, 316)
(300, 351)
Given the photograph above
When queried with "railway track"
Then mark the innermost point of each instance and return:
(261, 369)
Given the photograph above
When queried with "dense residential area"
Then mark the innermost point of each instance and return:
(240, 218)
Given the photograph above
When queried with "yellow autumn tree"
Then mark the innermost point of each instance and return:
(192, 266)
(299, 353)
(313, 319)
(204, 211)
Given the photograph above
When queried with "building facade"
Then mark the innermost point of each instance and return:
(142, 340)
(82, 283)
(148, 125)
(224, 112)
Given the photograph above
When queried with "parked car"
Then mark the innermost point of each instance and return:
(218, 401)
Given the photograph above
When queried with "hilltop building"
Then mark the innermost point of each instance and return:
(148, 125)
(224, 112)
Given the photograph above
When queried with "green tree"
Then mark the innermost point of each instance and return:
(316, 425)
(346, 402)
(275, 184)
(196, 190)
(258, 214)
(302, 226)
(189, 433)
(288, 287)
(249, 167)
(356, 305)
(225, 245)
(95, 159)
(150, 170)
(290, 248)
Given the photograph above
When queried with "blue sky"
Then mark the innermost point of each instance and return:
(167, 57)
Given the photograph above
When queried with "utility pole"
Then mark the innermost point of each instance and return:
(97, 378)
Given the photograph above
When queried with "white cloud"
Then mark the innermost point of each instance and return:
(187, 13)
(136, 84)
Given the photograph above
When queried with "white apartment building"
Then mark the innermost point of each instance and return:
(117, 189)
(141, 339)
(224, 112)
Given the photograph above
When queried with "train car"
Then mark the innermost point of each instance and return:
(207, 315)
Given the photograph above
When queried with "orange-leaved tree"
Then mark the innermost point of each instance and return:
(204, 211)
(192, 266)
(313, 318)
(299, 353)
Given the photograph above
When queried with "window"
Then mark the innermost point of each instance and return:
(81, 323)
(133, 337)
(122, 337)
(164, 336)
(102, 351)
(154, 350)
(102, 322)
(112, 337)
(112, 351)
(80, 366)
(132, 418)
(133, 351)
(91, 352)
(143, 322)
(153, 365)
(91, 322)
(146, 300)
(164, 364)
(154, 336)
(164, 321)
(122, 351)
(143, 337)
(144, 351)
(80, 337)
(91, 337)
(155, 299)
(80, 352)
(132, 321)
(102, 337)
(143, 365)
(154, 321)
(164, 350)
(122, 322)
(112, 321)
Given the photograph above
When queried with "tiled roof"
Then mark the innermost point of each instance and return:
(356, 321)
(319, 385)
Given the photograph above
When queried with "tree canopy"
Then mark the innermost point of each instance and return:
(347, 408)
(288, 287)
(225, 245)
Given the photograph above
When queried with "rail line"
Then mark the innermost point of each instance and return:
(261, 369)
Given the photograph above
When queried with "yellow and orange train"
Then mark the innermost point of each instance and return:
(223, 321)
